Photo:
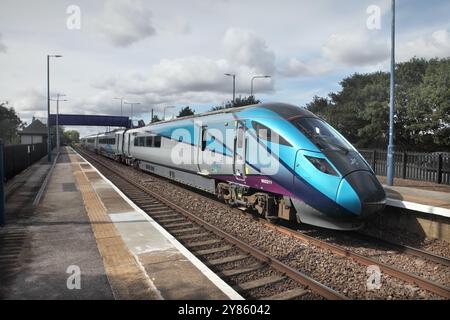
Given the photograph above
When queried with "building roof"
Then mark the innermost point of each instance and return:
(35, 128)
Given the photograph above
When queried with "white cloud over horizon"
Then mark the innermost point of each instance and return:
(433, 45)
(175, 52)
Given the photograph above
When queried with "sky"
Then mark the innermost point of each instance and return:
(175, 52)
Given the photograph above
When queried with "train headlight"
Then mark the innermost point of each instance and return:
(322, 165)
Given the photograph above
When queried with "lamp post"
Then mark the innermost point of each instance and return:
(132, 104)
(57, 117)
(390, 151)
(253, 78)
(121, 104)
(234, 85)
(49, 142)
(164, 111)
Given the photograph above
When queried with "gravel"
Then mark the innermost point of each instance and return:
(339, 273)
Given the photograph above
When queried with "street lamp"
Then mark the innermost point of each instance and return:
(253, 78)
(234, 85)
(132, 104)
(57, 117)
(121, 104)
(164, 111)
(390, 150)
(49, 143)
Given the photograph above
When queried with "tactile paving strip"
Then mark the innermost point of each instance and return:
(127, 279)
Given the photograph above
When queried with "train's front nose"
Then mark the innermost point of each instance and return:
(361, 193)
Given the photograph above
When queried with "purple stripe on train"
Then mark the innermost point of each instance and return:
(257, 182)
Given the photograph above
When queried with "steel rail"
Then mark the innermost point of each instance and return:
(296, 275)
(407, 249)
(392, 271)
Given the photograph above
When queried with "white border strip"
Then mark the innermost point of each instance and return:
(419, 207)
(214, 278)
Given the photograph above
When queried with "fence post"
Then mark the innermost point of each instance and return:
(2, 188)
(439, 169)
(374, 157)
(404, 161)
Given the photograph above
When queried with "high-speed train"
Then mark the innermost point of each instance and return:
(278, 159)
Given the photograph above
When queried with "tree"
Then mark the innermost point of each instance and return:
(186, 111)
(433, 105)
(9, 123)
(319, 106)
(53, 135)
(70, 137)
(240, 102)
(360, 110)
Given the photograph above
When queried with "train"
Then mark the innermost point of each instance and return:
(279, 160)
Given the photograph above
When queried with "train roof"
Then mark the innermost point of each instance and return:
(287, 111)
(284, 110)
(93, 135)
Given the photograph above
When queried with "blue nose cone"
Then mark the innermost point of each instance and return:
(361, 193)
(348, 198)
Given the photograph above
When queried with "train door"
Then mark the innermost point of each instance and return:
(126, 144)
(202, 147)
(129, 145)
(96, 144)
(118, 144)
(239, 151)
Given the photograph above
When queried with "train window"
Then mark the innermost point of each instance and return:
(141, 141)
(107, 141)
(149, 141)
(266, 134)
(322, 134)
(204, 128)
(211, 142)
(157, 142)
(136, 141)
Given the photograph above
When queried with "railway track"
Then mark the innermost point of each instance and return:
(404, 248)
(367, 261)
(251, 272)
(215, 248)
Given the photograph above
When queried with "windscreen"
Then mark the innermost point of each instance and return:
(337, 149)
(322, 134)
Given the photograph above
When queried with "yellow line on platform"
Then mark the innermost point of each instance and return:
(126, 278)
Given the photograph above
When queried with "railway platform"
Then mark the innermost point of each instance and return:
(419, 207)
(86, 240)
(433, 202)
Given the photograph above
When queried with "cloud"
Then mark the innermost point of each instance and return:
(198, 79)
(123, 23)
(3, 47)
(359, 49)
(175, 26)
(434, 45)
(340, 51)
(245, 48)
(295, 67)
(367, 50)
(32, 100)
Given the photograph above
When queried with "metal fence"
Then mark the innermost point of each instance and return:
(19, 157)
(434, 167)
